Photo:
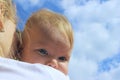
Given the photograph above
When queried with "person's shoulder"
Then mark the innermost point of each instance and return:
(23, 71)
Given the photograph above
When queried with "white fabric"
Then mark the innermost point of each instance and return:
(17, 70)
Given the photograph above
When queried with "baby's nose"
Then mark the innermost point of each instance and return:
(53, 63)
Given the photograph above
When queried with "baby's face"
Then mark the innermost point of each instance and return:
(41, 48)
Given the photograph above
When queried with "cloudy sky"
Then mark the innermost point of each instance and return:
(96, 25)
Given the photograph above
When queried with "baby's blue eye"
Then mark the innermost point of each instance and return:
(62, 58)
(43, 52)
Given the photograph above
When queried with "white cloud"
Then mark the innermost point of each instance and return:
(97, 42)
(97, 29)
(82, 69)
(96, 36)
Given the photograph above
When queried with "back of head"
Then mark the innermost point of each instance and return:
(7, 12)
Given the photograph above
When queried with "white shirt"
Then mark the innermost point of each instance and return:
(17, 70)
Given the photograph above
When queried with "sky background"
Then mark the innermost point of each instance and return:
(96, 25)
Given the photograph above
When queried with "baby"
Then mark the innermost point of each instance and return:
(14, 69)
(47, 39)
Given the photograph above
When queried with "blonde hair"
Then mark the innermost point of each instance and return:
(46, 18)
(8, 10)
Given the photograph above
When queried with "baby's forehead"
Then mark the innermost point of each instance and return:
(51, 33)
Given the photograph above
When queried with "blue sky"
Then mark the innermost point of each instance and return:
(96, 25)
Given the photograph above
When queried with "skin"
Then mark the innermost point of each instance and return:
(47, 48)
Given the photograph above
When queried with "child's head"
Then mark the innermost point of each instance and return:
(7, 27)
(48, 39)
